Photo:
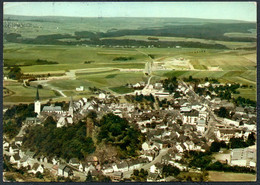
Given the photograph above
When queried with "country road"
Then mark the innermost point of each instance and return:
(164, 151)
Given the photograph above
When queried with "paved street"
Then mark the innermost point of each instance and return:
(147, 166)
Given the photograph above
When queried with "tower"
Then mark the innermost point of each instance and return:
(71, 107)
(37, 103)
(89, 127)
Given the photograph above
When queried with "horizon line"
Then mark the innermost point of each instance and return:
(125, 17)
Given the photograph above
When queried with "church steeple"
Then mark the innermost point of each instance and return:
(37, 95)
(71, 102)
(71, 107)
(37, 103)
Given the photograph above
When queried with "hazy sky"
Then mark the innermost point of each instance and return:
(211, 10)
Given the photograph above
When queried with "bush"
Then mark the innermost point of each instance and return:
(39, 175)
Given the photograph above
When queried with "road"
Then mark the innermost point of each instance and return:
(213, 117)
(164, 151)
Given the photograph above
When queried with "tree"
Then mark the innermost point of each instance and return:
(89, 177)
(169, 170)
(215, 146)
(15, 73)
(251, 139)
(40, 86)
(49, 121)
(223, 112)
(39, 175)
(237, 143)
(179, 122)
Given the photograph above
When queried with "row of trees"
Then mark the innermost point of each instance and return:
(203, 160)
(218, 166)
(233, 143)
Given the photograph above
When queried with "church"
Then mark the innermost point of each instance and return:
(63, 117)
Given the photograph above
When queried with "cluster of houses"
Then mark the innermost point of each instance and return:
(178, 128)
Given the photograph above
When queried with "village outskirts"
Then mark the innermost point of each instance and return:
(187, 126)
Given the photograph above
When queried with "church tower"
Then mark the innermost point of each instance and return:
(37, 103)
(71, 107)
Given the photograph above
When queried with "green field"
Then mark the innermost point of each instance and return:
(94, 65)
(238, 67)
(25, 94)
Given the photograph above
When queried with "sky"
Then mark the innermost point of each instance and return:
(209, 10)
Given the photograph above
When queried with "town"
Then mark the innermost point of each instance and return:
(180, 126)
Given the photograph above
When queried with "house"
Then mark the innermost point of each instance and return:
(137, 85)
(165, 159)
(32, 120)
(67, 172)
(74, 162)
(118, 113)
(158, 85)
(64, 120)
(5, 145)
(149, 155)
(30, 154)
(245, 157)
(15, 158)
(135, 164)
(201, 126)
(52, 109)
(240, 110)
(54, 169)
(180, 147)
(61, 169)
(90, 168)
(156, 168)
(117, 176)
(37, 168)
(24, 162)
(18, 141)
(83, 166)
(101, 96)
(21, 153)
(13, 148)
(81, 88)
(190, 117)
(123, 166)
(231, 122)
(41, 158)
(107, 168)
(225, 134)
(55, 161)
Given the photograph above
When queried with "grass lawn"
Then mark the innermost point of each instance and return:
(25, 94)
(122, 89)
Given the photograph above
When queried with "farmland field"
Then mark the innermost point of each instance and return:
(229, 58)
(229, 176)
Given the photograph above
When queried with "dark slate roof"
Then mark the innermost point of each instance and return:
(29, 154)
(153, 176)
(122, 165)
(17, 157)
(35, 166)
(74, 161)
(67, 169)
(193, 113)
(62, 166)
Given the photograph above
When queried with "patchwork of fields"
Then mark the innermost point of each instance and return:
(102, 71)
